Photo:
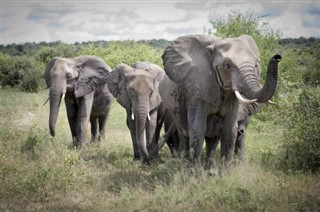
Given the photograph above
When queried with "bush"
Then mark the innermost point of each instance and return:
(21, 71)
(301, 146)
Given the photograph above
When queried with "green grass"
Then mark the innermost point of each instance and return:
(39, 173)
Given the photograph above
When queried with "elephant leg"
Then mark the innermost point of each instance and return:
(132, 128)
(94, 128)
(103, 122)
(84, 110)
(150, 132)
(210, 160)
(240, 140)
(72, 119)
(197, 124)
(160, 120)
(228, 139)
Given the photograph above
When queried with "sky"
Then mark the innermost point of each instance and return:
(73, 21)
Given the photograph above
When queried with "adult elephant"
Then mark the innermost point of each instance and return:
(81, 82)
(136, 89)
(207, 78)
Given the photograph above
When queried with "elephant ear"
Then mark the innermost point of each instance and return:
(49, 66)
(158, 74)
(93, 73)
(187, 62)
(116, 83)
(246, 110)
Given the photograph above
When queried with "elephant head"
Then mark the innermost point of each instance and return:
(136, 89)
(208, 66)
(77, 76)
(134, 85)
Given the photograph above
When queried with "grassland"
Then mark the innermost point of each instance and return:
(40, 173)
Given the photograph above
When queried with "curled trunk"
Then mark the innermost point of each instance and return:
(265, 93)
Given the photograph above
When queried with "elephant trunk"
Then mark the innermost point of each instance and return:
(55, 99)
(253, 91)
(141, 115)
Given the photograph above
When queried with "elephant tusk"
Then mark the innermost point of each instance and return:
(63, 95)
(243, 100)
(46, 101)
(271, 102)
(149, 116)
(132, 116)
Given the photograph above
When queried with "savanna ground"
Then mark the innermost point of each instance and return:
(40, 173)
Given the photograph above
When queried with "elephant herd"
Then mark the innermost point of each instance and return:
(207, 92)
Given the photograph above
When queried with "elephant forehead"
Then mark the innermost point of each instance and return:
(140, 74)
(140, 81)
(234, 47)
(63, 65)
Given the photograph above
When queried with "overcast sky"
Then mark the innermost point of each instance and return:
(82, 20)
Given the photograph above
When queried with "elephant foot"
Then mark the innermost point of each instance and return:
(146, 162)
(78, 144)
(136, 157)
(211, 168)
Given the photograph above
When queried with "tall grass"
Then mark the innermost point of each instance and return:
(39, 173)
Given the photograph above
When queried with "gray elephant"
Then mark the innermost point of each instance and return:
(244, 116)
(207, 78)
(81, 82)
(136, 89)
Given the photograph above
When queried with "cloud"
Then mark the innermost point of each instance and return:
(83, 20)
(311, 15)
(48, 11)
(187, 17)
(181, 30)
(193, 5)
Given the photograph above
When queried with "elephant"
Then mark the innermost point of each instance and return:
(136, 89)
(206, 79)
(81, 82)
(244, 116)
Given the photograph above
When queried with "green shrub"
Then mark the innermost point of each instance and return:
(301, 146)
(22, 72)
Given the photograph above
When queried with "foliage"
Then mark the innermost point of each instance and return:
(23, 66)
(40, 173)
(24, 72)
(127, 52)
(301, 146)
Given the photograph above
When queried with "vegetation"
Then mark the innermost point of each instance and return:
(22, 65)
(40, 173)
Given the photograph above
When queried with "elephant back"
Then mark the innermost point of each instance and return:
(187, 62)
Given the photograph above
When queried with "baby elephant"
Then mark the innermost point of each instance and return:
(81, 82)
(136, 89)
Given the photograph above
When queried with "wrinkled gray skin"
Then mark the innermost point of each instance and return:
(136, 89)
(203, 74)
(244, 117)
(82, 83)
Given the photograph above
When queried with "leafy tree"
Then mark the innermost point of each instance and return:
(301, 146)
(21, 71)
(127, 52)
